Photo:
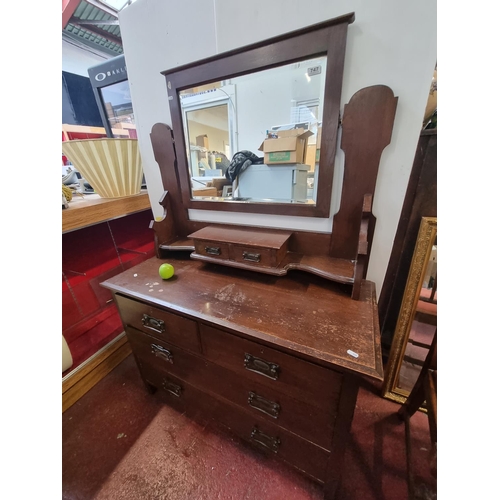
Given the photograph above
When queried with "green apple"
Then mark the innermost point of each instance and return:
(166, 271)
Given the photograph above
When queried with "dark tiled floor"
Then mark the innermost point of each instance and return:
(119, 442)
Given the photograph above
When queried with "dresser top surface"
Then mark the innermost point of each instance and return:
(300, 313)
(237, 235)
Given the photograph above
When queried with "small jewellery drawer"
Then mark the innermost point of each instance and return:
(298, 417)
(255, 256)
(254, 247)
(214, 249)
(295, 377)
(162, 324)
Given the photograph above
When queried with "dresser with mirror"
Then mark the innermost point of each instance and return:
(267, 331)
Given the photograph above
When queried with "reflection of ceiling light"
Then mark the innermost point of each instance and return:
(308, 77)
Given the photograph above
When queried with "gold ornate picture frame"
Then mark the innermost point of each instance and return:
(425, 241)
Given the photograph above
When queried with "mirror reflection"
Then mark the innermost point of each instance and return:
(422, 328)
(256, 137)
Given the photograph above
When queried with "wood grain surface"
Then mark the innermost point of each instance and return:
(92, 209)
(366, 131)
(308, 316)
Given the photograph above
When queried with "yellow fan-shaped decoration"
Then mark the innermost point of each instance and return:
(111, 166)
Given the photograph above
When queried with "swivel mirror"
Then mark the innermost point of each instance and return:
(243, 114)
(277, 102)
(255, 130)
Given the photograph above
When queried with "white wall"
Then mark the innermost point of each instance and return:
(262, 103)
(217, 138)
(391, 42)
(76, 58)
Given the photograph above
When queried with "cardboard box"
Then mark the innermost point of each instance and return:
(202, 141)
(311, 155)
(206, 191)
(289, 147)
(220, 183)
(317, 147)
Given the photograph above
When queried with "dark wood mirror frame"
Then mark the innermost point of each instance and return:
(327, 39)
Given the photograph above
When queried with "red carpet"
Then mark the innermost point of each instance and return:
(119, 442)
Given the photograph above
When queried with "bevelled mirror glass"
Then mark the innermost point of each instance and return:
(275, 115)
(263, 113)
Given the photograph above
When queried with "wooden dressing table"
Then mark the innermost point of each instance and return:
(267, 357)
(267, 331)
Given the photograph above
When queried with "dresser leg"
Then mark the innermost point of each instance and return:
(330, 491)
(345, 413)
(149, 387)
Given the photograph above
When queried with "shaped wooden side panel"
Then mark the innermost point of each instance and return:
(164, 151)
(366, 130)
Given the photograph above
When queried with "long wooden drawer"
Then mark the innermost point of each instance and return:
(271, 439)
(162, 324)
(165, 357)
(271, 404)
(300, 379)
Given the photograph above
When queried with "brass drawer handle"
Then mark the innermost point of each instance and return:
(212, 250)
(261, 366)
(161, 352)
(172, 388)
(154, 324)
(270, 408)
(252, 257)
(271, 443)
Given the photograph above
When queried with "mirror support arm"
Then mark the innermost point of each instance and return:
(363, 246)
